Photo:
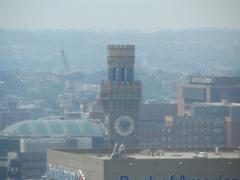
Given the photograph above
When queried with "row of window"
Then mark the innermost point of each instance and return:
(182, 145)
(183, 131)
(200, 123)
(183, 139)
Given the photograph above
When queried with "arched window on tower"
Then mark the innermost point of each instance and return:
(114, 74)
(123, 74)
(130, 76)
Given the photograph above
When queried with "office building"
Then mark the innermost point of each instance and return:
(143, 165)
(208, 125)
(207, 89)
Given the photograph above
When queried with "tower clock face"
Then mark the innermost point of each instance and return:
(124, 125)
(106, 125)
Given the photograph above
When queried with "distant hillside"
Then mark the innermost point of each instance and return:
(205, 50)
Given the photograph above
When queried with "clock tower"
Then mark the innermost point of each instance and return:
(121, 97)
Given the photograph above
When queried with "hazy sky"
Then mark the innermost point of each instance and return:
(141, 15)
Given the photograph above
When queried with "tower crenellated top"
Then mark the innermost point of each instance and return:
(120, 46)
(120, 50)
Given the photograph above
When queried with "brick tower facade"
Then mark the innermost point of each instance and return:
(121, 97)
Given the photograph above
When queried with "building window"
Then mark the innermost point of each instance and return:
(183, 124)
(120, 105)
(129, 74)
(123, 74)
(207, 138)
(114, 74)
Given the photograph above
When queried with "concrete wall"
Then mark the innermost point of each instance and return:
(91, 167)
(164, 168)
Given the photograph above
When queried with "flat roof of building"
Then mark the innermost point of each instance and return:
(229, 104)
(160, 154)
(187, 155)
(214, 80)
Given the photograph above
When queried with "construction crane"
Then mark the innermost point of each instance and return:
(68, 89)
(66, 67)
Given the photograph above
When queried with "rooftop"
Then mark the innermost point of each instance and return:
(215, 80)
(187, 155)
(161, 154)
(229, 104)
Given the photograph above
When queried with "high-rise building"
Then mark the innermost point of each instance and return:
(121, 96)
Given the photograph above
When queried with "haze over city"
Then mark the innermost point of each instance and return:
(120, 89)
(108, 15)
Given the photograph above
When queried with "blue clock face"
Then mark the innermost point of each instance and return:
(124, 125)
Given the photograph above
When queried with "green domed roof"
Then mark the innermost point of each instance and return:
(57, 128)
